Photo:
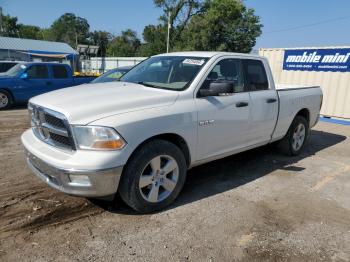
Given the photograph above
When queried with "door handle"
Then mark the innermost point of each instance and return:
(271, 100)
(241, 104)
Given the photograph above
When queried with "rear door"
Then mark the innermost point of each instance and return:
(37, 82)
(60, 77)
(264, 101)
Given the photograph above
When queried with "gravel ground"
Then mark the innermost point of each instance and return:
(255, 206)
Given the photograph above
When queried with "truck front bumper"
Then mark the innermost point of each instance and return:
(92, 182)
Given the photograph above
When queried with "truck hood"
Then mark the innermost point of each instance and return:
(84, 104)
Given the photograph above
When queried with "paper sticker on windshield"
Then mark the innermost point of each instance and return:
(23, 67)
(193, 61)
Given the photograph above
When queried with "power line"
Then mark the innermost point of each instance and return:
(308, 25)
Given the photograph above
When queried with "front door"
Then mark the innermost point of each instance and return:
(223, 121)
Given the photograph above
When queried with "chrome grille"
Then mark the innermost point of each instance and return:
(51, 127)
(54, 121)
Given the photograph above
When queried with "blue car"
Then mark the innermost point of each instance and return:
(112, 75)
(26, 80)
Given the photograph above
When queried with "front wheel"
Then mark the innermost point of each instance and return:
(5, 100)
(294, 141)
(153, 177)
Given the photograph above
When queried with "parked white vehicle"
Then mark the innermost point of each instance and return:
(169, 113)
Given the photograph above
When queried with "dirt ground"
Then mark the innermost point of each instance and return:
(255, 206)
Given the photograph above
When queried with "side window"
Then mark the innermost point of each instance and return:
(255, 75)
(38, 71)
(59, 71)
(227, 70)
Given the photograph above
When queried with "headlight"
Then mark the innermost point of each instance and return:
(31, 114)
(97, 138)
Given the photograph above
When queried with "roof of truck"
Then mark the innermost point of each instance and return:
(205, 54)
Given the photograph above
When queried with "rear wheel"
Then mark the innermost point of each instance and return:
(5, 100)
(153, 177)
(294, 141)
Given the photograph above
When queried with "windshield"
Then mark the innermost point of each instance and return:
(166, 72)
(15, 70)
(5, 66)
(110, 76)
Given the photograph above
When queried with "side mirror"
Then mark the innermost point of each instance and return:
(218, 89)
(24, 76)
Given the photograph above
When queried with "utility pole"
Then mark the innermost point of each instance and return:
(76, 39)
(1, 28)
(168, 36)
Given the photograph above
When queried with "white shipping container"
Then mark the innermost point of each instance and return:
(335, 85)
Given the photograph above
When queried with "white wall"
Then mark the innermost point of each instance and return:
(102, 64)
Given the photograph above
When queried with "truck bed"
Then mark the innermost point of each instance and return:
(281, 87)
(294, 98)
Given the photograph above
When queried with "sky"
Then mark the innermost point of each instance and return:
(287, 23)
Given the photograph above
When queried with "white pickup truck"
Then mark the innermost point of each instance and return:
(139, 136)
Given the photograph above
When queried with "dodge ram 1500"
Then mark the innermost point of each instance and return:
(139, 136)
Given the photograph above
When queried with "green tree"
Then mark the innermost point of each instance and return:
(10, 27)
(155, 36)
(101, 39)
(46, 33)
(155, 40)
(180, 11)
(30, 32)
(126, 44)
(71, 29)
(224, 25)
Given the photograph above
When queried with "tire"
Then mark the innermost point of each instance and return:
(146, 184)
(6, 100)
(294, 141)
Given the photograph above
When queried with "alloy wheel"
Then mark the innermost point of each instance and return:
(4, 100)
(298, 137)
(159, 178)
